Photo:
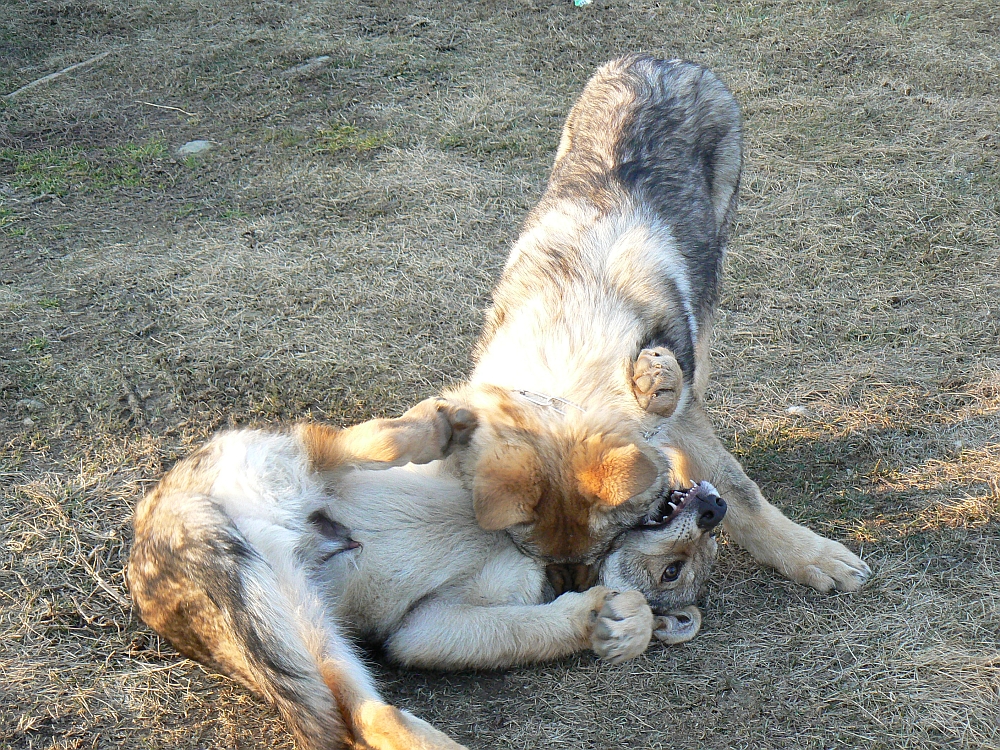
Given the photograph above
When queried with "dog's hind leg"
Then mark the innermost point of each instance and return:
(235, 603)
(202, 583)
(375, 724)
(428, 432)
(753, 523)
(367, 720)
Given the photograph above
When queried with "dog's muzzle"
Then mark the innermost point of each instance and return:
(711, 508)
(703, 497)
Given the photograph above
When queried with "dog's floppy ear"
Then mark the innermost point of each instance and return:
(507, 487)
(613, 474)
(677, 627)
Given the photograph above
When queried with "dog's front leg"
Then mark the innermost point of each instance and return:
(428, 432)
(753, 523)
(450, 635)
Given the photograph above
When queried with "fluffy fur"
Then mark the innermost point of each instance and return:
(255, 553)
(606, 305)
(588, 384)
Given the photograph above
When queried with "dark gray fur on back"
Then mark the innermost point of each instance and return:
(661, 135)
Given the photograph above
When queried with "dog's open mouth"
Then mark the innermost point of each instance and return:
(670, 507)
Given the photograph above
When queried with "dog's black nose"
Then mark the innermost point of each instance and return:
(711, 510)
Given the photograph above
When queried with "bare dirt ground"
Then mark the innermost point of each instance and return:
(330, 257)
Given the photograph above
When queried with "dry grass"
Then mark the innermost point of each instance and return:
(331, 256)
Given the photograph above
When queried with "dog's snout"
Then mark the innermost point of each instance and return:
(711, 511)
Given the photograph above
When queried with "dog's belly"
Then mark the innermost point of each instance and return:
(420, 541)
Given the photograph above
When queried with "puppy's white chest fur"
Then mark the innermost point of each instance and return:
(585, 319)
(421, 542)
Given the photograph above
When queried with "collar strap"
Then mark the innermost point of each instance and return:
(556, 403)
(650, 434)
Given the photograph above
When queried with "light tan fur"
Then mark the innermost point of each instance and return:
(252, 554)
(452, 572)
(193, 589)
(658, 381)
(697, 454)
(416, 437)
(562, 485)
(752, 522)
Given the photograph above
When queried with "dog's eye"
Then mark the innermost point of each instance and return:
(672, 572)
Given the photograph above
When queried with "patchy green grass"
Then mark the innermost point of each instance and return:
(340, 137)
(58, 171)
(7, 219)
(505, 138)
(49, 172)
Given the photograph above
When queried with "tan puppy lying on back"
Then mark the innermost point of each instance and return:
(255, 555)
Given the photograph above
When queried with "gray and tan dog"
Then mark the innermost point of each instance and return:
(596, 347)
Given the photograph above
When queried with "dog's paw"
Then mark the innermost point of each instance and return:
(657, 381)
(582, 608)
(677, 627)
(624, 627)
(447, 425)
(382, 727)
(826, 565)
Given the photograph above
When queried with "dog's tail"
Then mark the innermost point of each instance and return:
(685, 139)
(201, 583)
